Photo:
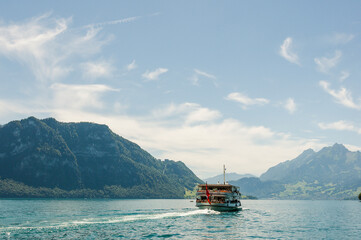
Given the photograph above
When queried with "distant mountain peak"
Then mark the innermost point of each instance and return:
(320, 166)
(339, 146)
(310, 150)
(307, 152)
(335, 149)
(334, 172)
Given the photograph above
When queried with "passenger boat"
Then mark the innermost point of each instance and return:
(219, 197)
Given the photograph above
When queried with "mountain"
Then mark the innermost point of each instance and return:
(253, 186)
(229, 177)
(332, 173)
(282, 170)
(330, 164)
(70, 157)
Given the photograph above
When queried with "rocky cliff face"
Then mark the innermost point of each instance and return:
(49, 153)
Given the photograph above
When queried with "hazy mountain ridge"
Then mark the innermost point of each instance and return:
(334, 163)
(229, 177)
(71, 156)
(332, 173)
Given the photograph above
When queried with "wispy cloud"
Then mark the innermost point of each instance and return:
(290, 105)
(246, 101)
(28, 43)
(78, 96)
(113, 22)
(198, 73)
(325, 64)
(287, 53)
(189, 113)
(44, 44)
(154, 75)
(340, 126)
(132, 66)
(342, 96)
(94, 70)
(344, 76)
(341, 38)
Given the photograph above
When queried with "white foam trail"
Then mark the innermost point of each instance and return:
(129, 218)
(140, 217)
(169, 215)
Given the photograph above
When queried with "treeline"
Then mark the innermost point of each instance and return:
(12, 189)
(249, 197)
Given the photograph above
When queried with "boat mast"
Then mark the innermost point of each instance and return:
(224, 174)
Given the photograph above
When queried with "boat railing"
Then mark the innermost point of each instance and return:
(205, 201)
(225, 191)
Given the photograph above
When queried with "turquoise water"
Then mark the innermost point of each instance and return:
(178, 219)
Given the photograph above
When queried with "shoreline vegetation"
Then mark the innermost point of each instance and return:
(12, 189)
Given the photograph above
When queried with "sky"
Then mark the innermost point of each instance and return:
(248, 84)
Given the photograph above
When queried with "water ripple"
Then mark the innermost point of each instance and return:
(177, 219)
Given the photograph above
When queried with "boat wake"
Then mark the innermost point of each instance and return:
(111, 220)
(143, 217)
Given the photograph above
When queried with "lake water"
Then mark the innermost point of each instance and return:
(177, 219)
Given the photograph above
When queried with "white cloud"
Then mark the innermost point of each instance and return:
(29, 43)
(154, 75)
(119, 107)
(325, 64)
(131, 66)
(245, 100)
(10, 109)
(344, 76)
(187, 113)
(286, 51)
(290, 105)
(78, 96)
(202, 115)
(340, 126)
(205, 147)
(198, 73)
(352, 148)
(94, 70)
(341, 38)
(48, 47)
(343, 96)
(196, 135)
(201, 73)
(118, 21)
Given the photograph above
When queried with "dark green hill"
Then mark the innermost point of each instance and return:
(73, 156)
(332, 173)
(33, 153)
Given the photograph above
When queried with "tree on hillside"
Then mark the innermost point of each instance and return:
(359, 196)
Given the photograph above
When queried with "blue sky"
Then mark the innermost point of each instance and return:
(248, 84)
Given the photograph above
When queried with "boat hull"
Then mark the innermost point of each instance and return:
(219, 207)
